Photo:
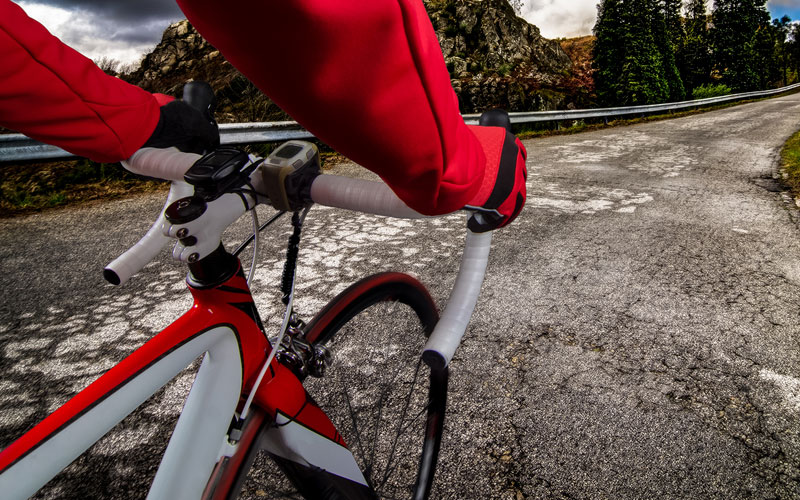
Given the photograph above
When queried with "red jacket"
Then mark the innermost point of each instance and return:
(366, 77)
(50, 92)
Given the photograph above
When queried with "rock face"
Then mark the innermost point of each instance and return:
(184, 55)
(495, 60)
(181, 49)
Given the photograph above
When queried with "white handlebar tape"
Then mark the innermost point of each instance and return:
(135, 258)
(360, 195)
(334, 191)
(169, 164)
(448, 332)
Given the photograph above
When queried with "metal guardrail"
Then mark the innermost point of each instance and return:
(18, 147)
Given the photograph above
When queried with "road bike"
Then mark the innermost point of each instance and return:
(349, 404)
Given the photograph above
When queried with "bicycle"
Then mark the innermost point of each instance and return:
(254, 393)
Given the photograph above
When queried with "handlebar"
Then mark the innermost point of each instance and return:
(167, 164)
(341, 192)
(135, 258)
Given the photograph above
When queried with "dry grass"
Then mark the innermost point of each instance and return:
(580, 51)
(790, 159)
(28, 188)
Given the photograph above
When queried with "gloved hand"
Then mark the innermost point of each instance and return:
(184, 127)
(502, 193)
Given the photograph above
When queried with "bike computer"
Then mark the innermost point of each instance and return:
(295, 154)
(288, 173)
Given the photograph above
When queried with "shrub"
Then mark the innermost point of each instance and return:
(706, 91)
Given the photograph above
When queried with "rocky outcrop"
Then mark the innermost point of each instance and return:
(184, 55)
(495, 60)
(486, 37)
(181, 47)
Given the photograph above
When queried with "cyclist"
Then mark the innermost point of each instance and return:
(367, 78)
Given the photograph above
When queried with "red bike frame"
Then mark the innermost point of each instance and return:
(229, 304)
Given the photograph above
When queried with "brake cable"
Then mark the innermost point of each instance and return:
(287, 287)
(247, 242)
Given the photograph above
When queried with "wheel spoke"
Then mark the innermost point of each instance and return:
(354, 421)
(389, 467)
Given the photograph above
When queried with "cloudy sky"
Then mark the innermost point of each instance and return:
(557, 18)
(126, 29)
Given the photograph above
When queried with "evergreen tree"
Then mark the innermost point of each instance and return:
(642, 80)
(628, 60)
(608, 51)
(673, 22)
(783, 28)
(765, 55)
(793, 50)
(667, 30)
(736, 41)
(695, 54)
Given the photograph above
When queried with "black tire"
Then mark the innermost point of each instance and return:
(387, 404)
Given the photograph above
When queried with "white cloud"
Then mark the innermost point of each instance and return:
(561, 18)
(53, 18)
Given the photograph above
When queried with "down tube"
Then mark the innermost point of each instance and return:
(53, 451)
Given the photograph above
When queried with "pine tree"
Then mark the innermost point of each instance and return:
(765, 55)
(695, 54)
(667, 30)
(627, 57)
(793, 50)
(783, 28)
(736, 39)
(608, 51)
(672, 20)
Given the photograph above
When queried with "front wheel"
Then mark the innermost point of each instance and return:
(387, 404)
(384, 401)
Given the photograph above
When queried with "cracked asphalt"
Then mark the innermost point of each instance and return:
(638, 334)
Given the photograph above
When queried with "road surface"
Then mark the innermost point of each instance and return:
(638, 335)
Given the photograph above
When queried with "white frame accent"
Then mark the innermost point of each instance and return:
(293, 441)
(188, 461)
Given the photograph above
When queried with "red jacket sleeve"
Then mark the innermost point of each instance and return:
(366, 77)
(52, 93)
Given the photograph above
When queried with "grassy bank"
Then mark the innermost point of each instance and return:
(34, 187)
(790, 159)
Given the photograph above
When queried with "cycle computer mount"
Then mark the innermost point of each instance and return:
(218, 172)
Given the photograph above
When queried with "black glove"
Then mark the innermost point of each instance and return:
(185, 127)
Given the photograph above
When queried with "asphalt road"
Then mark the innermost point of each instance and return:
(637, 335)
